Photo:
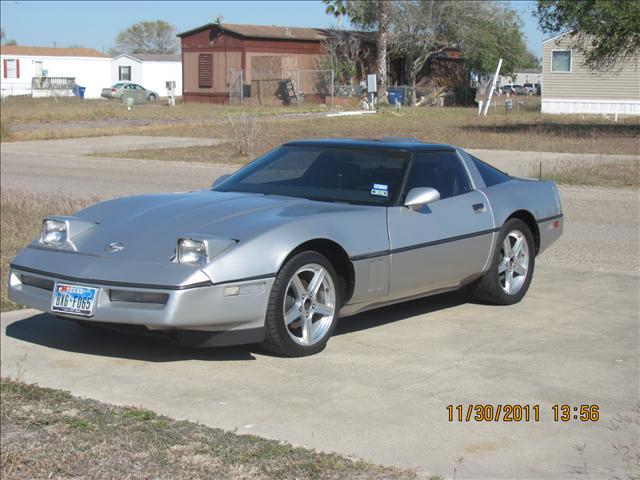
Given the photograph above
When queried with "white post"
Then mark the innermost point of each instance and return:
(332, 87)
(480, 107)
(493, 87)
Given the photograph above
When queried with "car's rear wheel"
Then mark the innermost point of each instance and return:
(152, 98)
(511, 270)
(303, 306)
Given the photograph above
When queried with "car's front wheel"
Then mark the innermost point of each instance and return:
(511, 270)
(303, 306)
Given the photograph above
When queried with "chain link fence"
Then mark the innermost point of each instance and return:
(236, 87)
(282, 87)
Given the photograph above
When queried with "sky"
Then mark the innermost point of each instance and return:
(95, 24)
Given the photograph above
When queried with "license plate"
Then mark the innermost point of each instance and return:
(74, 299)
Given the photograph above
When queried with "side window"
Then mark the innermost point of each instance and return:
(561, 61)
(124, 73)
(491, 176)
(11, 68)
(440, 170)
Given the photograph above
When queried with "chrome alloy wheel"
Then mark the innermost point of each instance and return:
(514, 262)
(309, 304)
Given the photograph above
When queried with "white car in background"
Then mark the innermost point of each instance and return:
(137, 91)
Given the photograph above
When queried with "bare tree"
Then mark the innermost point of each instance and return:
(425, 28)
(346, 55)
(372, 15)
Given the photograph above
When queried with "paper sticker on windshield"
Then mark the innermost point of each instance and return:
(380, 190)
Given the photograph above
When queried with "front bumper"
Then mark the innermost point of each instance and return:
(201, 308)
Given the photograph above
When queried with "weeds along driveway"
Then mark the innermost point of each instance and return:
(381, 389)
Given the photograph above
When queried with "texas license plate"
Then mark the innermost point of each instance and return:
(74, 299)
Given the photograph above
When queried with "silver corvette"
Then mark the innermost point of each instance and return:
(276, 251)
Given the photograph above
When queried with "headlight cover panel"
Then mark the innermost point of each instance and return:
(60, 232)
(198, 250)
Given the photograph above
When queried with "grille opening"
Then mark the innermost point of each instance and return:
(138, 297)
(43, 283)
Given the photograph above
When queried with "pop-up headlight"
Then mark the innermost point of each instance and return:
(54, 233)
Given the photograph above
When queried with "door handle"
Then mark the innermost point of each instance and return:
(479, 208)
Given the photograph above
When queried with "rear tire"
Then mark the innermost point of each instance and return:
(511, 270)
(152, 98)
(303, 306)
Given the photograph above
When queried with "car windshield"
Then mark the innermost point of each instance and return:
(359, 176)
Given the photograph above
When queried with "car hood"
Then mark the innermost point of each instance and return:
(148, 226)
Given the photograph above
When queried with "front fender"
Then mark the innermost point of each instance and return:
(358, 232)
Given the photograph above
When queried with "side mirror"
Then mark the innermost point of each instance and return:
(419, 196)
(220, 179)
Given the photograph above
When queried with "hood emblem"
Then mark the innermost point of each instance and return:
(114, 247)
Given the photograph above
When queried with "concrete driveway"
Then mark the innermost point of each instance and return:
(381, 389)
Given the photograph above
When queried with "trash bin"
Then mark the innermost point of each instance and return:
(395, 95)
(81, 91)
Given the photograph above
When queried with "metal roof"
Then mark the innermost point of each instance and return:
(152, 57)
(50, 51)
(267, 31)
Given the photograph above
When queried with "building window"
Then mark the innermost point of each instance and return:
(561, 61)
(205, 70)
(11, 68)
(124, 74)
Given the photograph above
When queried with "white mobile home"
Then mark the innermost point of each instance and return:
(22, 68)
(150, 70)
(570, 87)
(528, 75)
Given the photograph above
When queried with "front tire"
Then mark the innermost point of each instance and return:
(303, 306)
(511, 270)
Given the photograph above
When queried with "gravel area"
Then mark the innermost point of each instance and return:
(601, 231)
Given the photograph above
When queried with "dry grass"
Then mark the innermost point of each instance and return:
(528, 130)
(224, 153)
(51, 434)
(51, 111)
(21, 218)
(614, 174)
(5, 131)
(245, 130)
